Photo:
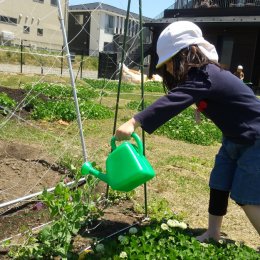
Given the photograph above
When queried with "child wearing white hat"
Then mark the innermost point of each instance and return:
(192, 75)
(239, 72)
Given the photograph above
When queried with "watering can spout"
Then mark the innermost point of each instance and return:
(87, 168)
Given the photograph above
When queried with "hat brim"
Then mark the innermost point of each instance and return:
(159, 65)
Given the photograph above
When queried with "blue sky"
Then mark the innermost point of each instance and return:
(150, 8)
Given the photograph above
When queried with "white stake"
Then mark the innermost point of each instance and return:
(72, 78)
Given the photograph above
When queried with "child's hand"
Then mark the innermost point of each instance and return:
(125, 131)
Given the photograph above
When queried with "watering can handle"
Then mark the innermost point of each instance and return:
(137, 139)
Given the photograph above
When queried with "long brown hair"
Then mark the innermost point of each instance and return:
(187, 58)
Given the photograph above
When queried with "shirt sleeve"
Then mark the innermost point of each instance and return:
(169, 106)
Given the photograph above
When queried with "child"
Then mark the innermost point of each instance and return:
(192, 76)
(239, 72)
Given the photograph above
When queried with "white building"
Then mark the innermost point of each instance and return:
(98, 27)
(34, 22)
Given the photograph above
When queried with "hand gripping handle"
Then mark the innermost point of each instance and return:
(137, 139)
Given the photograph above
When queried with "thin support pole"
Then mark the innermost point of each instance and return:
(81, 63)
(21, 61)
(142, 91)
(77, 74)
(65, 43)
(121, 66)
(61, 61)
(120, 74)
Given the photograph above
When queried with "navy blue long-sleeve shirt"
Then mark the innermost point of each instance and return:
(230, 104)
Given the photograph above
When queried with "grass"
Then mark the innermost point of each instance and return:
(182, 169)
(17, 80)
(12, 55)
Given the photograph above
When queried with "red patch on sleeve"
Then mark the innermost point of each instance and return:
(202, 105)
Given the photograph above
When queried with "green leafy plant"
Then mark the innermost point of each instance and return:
(6, 103)
(95, 111)
(70, 209)
(109, 85)
(55, 101)
(136, 105)
(153, 86)
(166, 239)
(157, 207)
(60, 91)
(183, 127)
(54, 110)
(116, 196)
(50, 90)
(71, 166)
(65, 110)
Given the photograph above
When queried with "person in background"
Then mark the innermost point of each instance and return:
(239, 72)
(192, 75)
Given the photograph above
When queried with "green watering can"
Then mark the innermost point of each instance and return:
(126, 166)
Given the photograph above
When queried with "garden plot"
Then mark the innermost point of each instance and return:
(51, 146)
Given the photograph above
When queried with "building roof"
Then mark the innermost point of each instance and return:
(211, 16)
(105, 7)
(234, 21)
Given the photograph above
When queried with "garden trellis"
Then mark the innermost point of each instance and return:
(8, 200)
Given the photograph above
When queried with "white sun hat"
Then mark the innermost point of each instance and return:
(179, 35)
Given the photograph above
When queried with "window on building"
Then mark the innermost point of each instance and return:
(118, 22)
(109, 27)
(40, 32)
(26, 29)
(117, 25)
(7, 19)
(39, 1)
(110, 21)
(136, 28)
(54, 2)
(122, 25)
(79, 19)
(133, 28)
(129, 28)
